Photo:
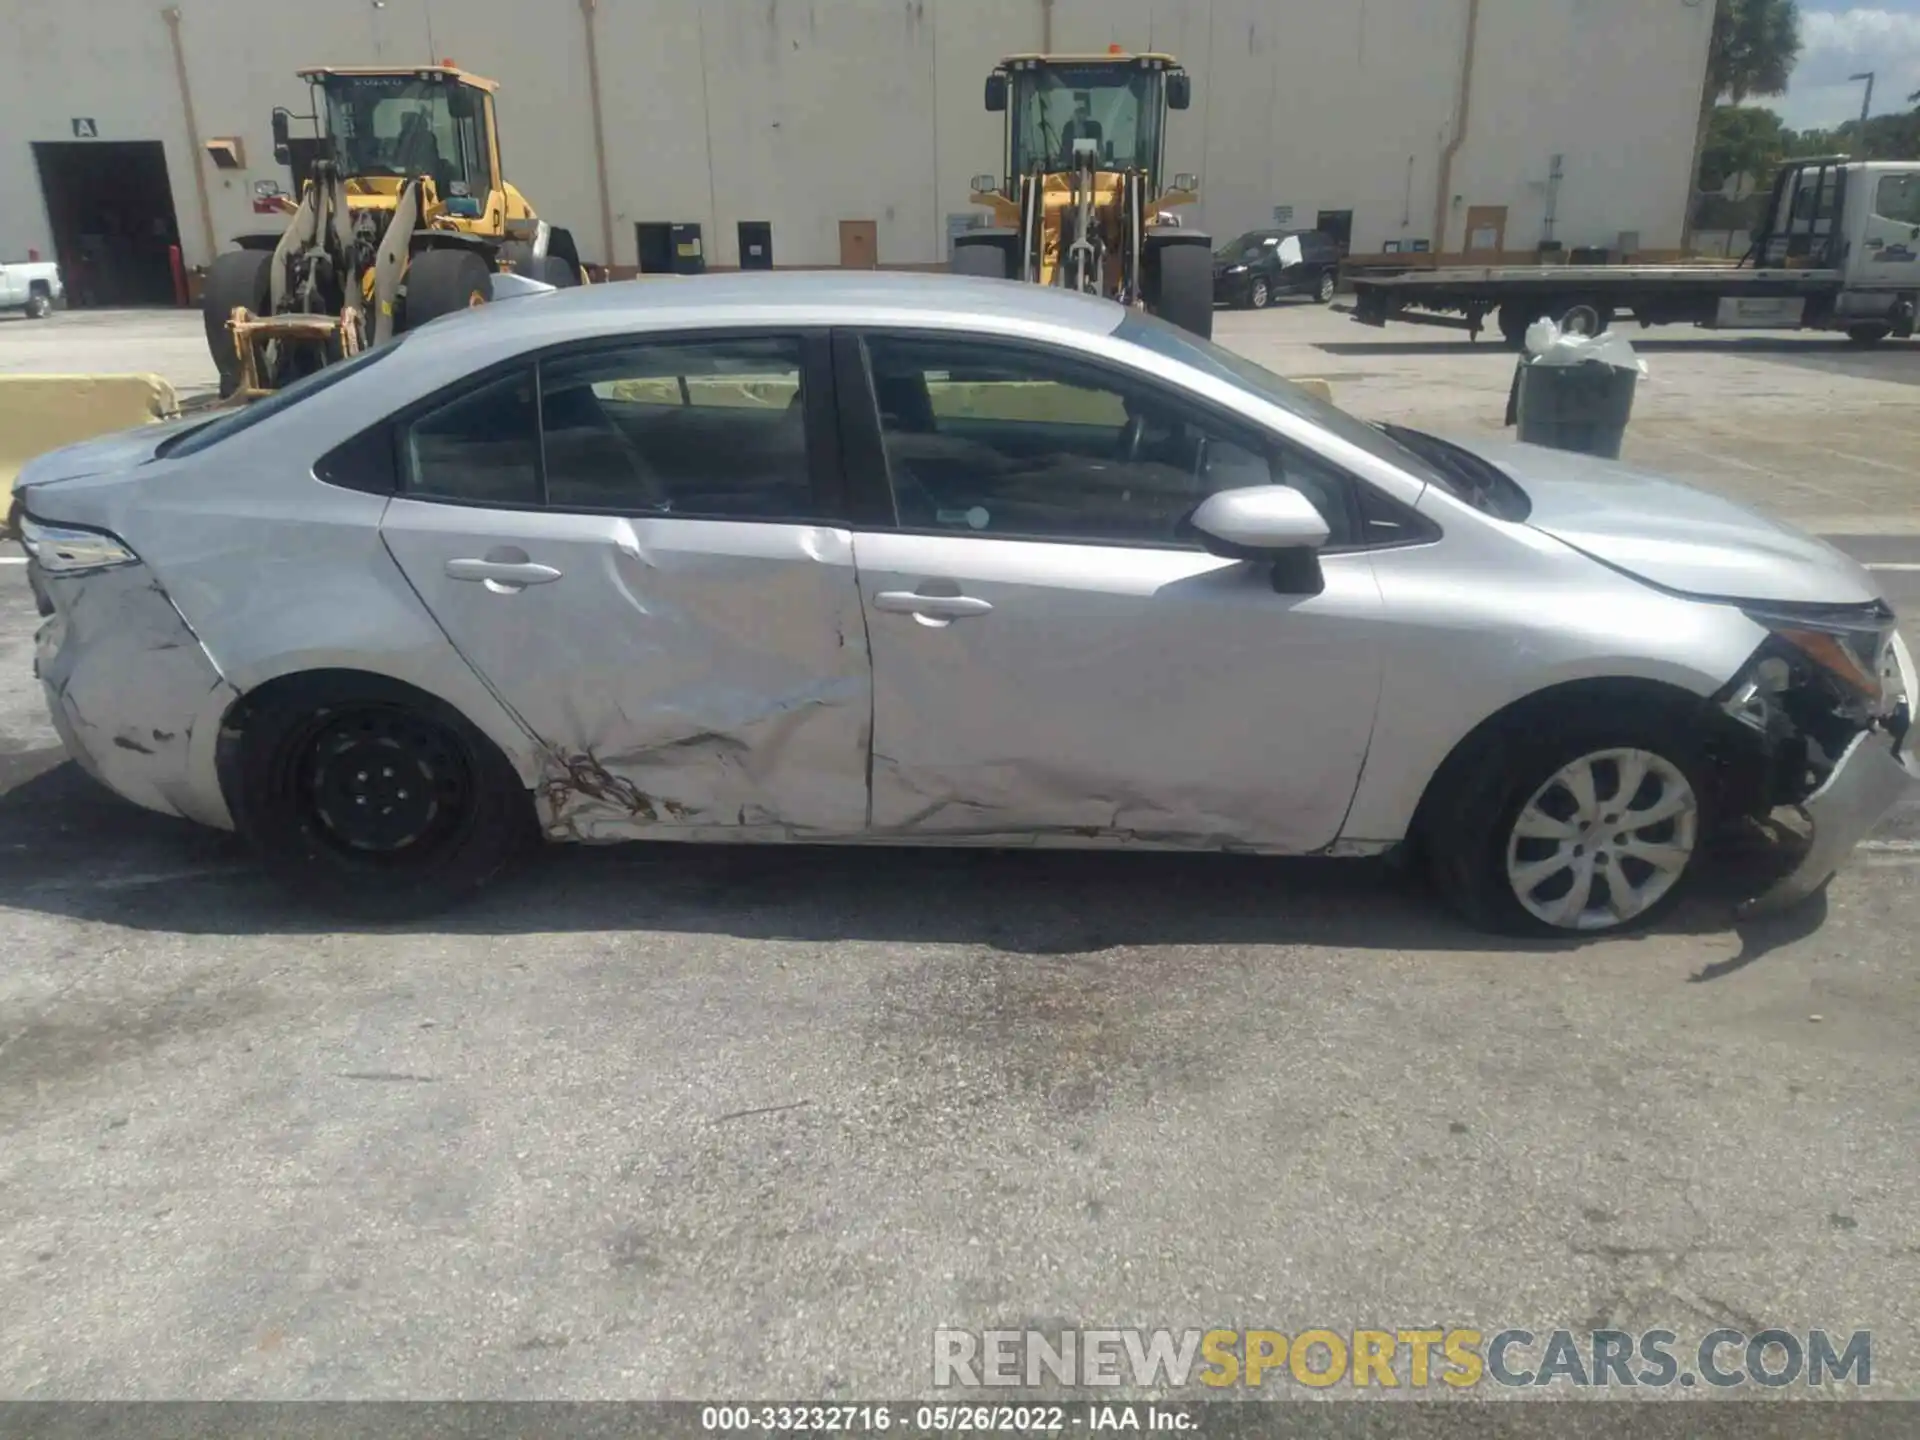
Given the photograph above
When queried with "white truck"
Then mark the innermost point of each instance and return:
(1838, 248)
(30, 286)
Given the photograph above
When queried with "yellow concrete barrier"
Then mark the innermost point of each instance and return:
(39, 413)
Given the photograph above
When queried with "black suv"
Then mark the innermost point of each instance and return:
(1262, 264)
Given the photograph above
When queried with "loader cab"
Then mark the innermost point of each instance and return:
(435, 120)
(1112, 106)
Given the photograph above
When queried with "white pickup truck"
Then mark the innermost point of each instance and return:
(31, 286)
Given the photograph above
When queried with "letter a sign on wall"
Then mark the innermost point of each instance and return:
(85, 127)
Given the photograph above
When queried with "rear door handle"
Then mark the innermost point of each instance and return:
(516, 573)
(937, 607)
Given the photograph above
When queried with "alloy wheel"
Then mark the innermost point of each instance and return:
(1603, 840)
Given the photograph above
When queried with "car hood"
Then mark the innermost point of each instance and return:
(1673, 535)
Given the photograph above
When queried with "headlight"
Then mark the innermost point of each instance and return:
(1853, 647)
(1236, 269)
(71, 550)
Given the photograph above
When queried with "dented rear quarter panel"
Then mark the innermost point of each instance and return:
(135, 697)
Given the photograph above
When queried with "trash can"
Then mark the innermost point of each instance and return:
(1574, 392)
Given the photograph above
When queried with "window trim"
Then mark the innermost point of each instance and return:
(819, 410)
(870, 484)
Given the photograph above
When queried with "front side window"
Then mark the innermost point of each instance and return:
(1004, 441)
(711, 428)
(1897, 198)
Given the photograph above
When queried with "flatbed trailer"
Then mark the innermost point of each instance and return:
(1839, 250)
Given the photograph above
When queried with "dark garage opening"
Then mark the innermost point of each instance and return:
(111, 209)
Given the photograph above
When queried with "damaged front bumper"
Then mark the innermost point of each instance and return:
(133, 694)
(1874, 771)
(1871, 777)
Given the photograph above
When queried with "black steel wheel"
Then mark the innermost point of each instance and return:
(372, 801)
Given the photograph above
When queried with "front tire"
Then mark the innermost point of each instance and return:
(1586, 821)
(374, 802)
(1868, 334)
(440, 282)
(1323, 292)
(237, 278)
(1258, 295)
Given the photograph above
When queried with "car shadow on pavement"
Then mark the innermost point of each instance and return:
(73, 850)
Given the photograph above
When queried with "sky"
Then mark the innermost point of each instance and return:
(1838, 42)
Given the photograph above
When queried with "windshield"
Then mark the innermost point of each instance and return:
(403, 125)
(1157, 335)
(1116, 107)
(1246, 247)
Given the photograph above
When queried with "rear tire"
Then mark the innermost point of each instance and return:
(1323, 291)
(1868, 334)
(1471, 816)
(373, 801)
(987, 261)
(39, 306)
(1514, 320)
(439, 282)
(236, 278)
(1186, 288)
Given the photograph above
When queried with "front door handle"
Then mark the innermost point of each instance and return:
(510, 575)
(933, 607)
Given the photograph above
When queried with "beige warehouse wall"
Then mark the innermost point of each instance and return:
(807, 112)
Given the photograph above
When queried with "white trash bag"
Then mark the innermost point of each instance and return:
(1548, 344)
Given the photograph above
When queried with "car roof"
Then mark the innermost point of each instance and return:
(793, 297)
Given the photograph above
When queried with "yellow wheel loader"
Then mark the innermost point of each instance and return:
(1082, 204)
(403, 216)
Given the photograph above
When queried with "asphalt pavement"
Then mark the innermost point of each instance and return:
(661, 1121)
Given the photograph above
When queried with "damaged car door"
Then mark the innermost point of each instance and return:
(634, 545)
(1054, 652)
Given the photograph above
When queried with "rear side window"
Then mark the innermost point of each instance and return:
(483, 446)
(712, 428)
(234, 422)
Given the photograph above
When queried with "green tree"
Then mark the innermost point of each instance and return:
(1754, 47)
(1743, 140)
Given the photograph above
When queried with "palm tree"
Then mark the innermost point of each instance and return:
(1753, 50)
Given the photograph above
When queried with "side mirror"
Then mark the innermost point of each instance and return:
(1179, 90)
(997, 91)
(983, 184)
(1274, 524)
(282, 137)
(460, 102)
(1186, 180)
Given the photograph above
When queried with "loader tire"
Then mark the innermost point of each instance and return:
(549, 270)
(237, 277)
(1186, 288)
(439, 282)
(987, 261)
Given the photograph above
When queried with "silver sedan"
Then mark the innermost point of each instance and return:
(917, 560)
